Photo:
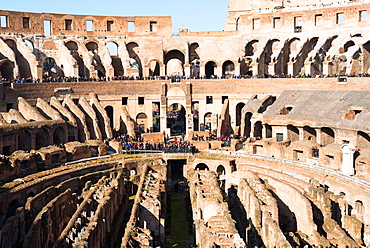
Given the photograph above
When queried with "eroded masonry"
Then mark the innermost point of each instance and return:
(114, 133)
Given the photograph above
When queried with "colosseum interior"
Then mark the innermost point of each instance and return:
(116, 133)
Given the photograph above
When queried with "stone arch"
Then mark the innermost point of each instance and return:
(309, 133)
(6, 69)
(110, 113)
(327, 136)
(347, 45)
(201, 166)
(293, 133)
(208, 121)
(247, 124)
(24, 139)
(228, 68)
(265, 58)
(176, 118)
(23, 65)
(154, 67)
(238, 114)
(221, 171)
(133, 52)
(116, 60)
(298, 66)
(194, 59)
(290, 47)
(142, 122)
(366, 57)
(93, 48)
(72, 46)
(210, 67)
(174, 61)
(257, 130)
(194, 52)
(42, 138)
(363, 140)
(59, 136)
(50, 69)
(251, 48)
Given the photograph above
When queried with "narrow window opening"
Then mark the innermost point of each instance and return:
(68, 24)
(89, 25)
(224, 99)
(26, 22)
(47, 28)
(297, 24)
(318, 19)
(124, 100)
(141, 100)
(153, 26)
(209, 99)
(340, 18)
(362, 17)
(131, 26)
(110, 25)
(276, 22)
(256, 24)
(3, 21)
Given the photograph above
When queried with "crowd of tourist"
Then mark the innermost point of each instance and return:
(173, 79)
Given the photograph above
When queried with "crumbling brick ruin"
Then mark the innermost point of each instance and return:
(275, 108)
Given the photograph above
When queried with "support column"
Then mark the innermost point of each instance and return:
(348, 151)
(187, 70)
(202, 71)
(254, 69)
(307, 68)
(325, 68)
(301, 133)
(291, 68)
(271, 68)
(237, 70)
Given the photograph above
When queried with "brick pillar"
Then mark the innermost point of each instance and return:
(271, 68)
(291, 68)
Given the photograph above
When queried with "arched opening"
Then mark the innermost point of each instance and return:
(210, 69)
(221, 170)
(298, 67)
(258, 130)
(194, 59)
(42, 138)
(268, 129)
(154, 68)
(228, 69)
(22, 62)
(247, 124)
(142, 122)
(51, 70)
(59, 136)
(201, 166)
(207, 122)
(176, 119)
(110, 113)
(174, 61)
(363, 140)
(83, 71)
(116, 60)
(135, 61)
(293, 133)
(265, 58)
(309, 133)
(6, 68)
(238, 114)
(347, 46)
(24, 140)
(327, 136)
(251, 48)
(93, 48)
(290, 47)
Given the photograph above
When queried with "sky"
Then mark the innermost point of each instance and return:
(196, 15)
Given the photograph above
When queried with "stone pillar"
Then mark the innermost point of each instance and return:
(271, 68)
(348, 151)
(146, 71)
(325, 68)
(301, 133)
(189, 123)
(214, 123)
(39, 72)
(307, 68)
(237, 70)
(291, 68)
(162, 70)
(187, 70)
(202, 71)
(218, 71)
(254, 69)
